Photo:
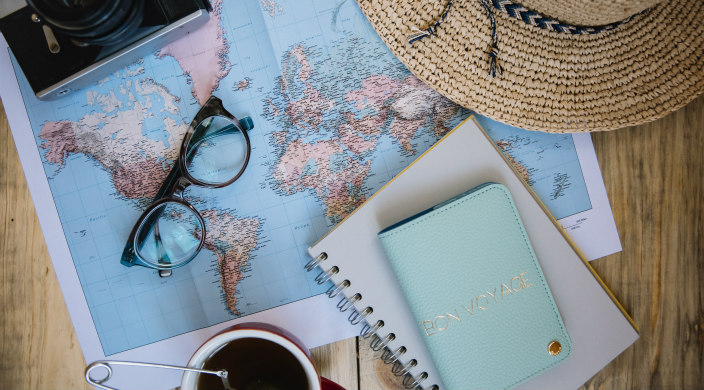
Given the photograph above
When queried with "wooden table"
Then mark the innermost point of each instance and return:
(654, 176)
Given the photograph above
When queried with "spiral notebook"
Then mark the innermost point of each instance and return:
(365, 288)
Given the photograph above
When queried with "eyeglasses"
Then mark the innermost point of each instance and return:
(214, 154)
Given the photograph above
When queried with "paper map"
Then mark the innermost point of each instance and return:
(336, 116)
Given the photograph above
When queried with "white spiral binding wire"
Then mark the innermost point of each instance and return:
(376, 342)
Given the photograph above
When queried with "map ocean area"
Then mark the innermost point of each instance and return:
(336, 116)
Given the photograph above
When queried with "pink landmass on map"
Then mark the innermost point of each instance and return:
(232, 240)
(243, 84)
(336, 181)
(272, 108)
(344, 193)
(375, 91)
(279, 137)
(353, 141)
(332, 168)
(414, 104)
(139, 179)
(369, 125)
(113, 138)
(202, 55)
(404, 130)
(59, 139)
(410, 102)
(304, 73)
(522, 170)
(307, 112)
(271, 7)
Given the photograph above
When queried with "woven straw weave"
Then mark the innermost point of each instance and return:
(638, 72)
(589, 12)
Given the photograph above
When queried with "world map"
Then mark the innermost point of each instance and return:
(336, 116)
(340, 123)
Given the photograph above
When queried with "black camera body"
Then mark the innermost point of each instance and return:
(65, 45)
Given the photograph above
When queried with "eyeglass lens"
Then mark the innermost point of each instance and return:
(217, 151)
(170, 235)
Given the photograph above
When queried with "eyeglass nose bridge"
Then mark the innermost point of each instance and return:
(174, 184)
(181, 184)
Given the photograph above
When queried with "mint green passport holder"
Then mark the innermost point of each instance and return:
(476, 290)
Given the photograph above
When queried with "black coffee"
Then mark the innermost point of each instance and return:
(252, 364)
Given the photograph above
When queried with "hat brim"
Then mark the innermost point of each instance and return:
(640, 71)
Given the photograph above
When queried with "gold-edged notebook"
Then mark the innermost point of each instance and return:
(365, 286)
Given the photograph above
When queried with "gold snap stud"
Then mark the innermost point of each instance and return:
(554, 348)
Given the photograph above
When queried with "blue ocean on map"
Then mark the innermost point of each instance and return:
(336, 116)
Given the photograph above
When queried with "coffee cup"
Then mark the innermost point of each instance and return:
(256, 356)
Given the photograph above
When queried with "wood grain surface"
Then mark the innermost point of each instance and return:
(654, 175)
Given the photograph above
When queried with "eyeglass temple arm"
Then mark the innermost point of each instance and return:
(211, 107)
(128, 254)
(172, 183)
(214, 107)
(168, 188)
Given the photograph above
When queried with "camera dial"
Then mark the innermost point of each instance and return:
(91, 22)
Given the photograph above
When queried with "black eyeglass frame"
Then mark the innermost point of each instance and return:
(178, 180)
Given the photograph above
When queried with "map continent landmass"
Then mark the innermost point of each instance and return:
(337, 122)
(107, 132)
(243, 84)
(505, 147)
(325, 168)
(203, 55)
(415, 104)
(114, 126)
(271, 7)
(232, 240)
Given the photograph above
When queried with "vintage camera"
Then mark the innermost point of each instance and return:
(65, 45)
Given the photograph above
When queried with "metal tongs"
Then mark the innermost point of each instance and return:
(105, 364)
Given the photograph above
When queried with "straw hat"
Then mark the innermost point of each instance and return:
(552, 65)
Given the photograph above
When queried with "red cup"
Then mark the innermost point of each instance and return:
(262, 331)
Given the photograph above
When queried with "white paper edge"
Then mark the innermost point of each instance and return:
(593, 231)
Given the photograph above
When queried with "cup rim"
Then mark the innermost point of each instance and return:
(189, 379)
